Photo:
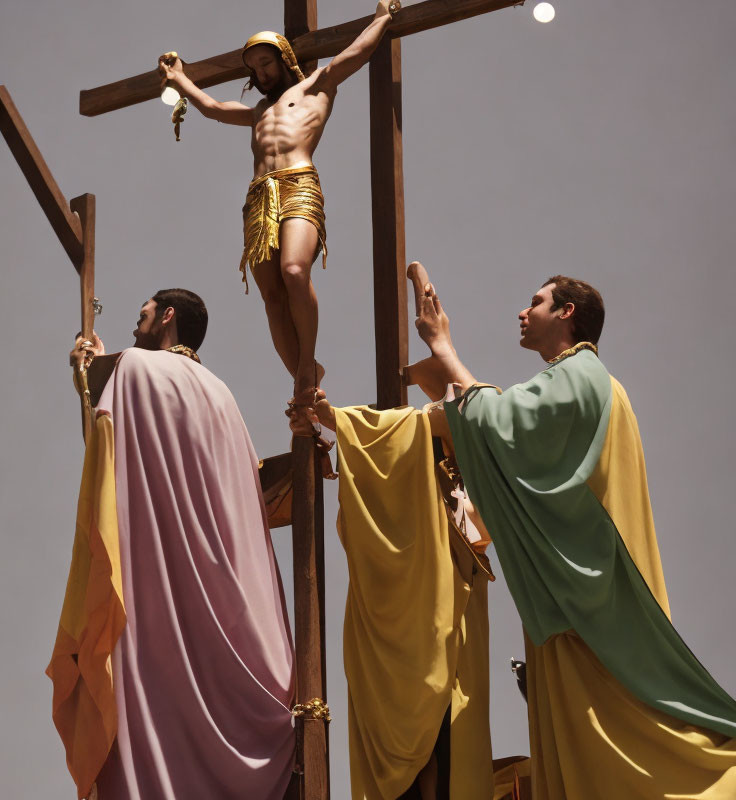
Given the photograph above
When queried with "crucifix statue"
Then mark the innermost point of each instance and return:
(283, 217)
(308, 44)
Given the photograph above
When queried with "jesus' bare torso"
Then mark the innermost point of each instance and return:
(286, 132)
(282, 236)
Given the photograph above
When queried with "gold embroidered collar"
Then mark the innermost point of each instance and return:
(571, 351)
(183, 350)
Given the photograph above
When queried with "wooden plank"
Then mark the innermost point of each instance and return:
(410, 19)
(274, 470)
(146, 86)
(309, 611)
(323, 43)
(65, 224)
(387, 192)
(300, 17)
(84, 206)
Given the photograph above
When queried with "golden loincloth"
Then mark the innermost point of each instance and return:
(272, 198)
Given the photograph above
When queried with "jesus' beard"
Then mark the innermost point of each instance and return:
(286, 81)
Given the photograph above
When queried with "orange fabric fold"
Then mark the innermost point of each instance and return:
(92, 618)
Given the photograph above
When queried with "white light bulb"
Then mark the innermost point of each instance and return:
(170, 96)
(544, 12)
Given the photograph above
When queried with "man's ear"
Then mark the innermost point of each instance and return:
(167, 316)
(567, 311)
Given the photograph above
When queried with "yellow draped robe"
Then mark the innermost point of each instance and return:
(588, 733)
(92, 618)
(416, 620)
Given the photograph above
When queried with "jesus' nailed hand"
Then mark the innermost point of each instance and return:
(284, 222)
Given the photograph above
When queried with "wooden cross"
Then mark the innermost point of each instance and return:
(387, 179)
(390, 297)
(73, 222)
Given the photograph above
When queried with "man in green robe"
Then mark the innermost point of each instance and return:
(619, 707)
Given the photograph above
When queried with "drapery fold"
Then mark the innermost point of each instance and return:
(618, 705)
(416, 621)
(526, 457)
(203, 669)
(92, 618)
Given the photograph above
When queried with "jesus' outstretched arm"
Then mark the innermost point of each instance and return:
(358, 53)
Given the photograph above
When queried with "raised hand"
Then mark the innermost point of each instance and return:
(419, 278)
(170, 67)
(387, 7)
(432, 324)
(433, 374)
(85, 350)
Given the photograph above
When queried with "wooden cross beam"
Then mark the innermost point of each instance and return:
(308, 46)
(73, 223)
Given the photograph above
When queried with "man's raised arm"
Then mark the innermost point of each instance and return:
(352, 58)
(433, 326)
(231, 112)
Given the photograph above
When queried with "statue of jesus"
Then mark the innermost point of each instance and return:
(283, 216)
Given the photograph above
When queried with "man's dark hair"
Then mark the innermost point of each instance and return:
(191, 314)
(587, 320)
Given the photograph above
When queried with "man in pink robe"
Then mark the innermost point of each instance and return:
(203, 671)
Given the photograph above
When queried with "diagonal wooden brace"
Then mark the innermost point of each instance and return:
(73, 223)
(65, 223)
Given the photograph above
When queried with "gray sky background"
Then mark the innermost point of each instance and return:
(600, 145)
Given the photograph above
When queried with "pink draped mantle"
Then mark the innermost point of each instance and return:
(204, 671)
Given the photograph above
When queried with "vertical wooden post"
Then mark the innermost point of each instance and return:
(387, 190)
(300, 16)
(84, 206)
(309, 613)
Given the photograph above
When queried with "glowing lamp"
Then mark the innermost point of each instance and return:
(170, 96)
(544, 12)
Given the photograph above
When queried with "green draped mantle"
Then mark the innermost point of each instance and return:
(525, 457)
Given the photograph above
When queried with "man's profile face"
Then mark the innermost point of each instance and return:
(149, 331)
(267, 67)
(538, 319)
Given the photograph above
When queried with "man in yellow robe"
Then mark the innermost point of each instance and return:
(416, 618)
